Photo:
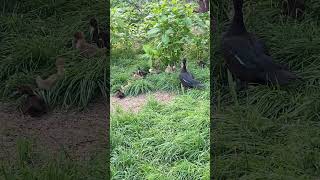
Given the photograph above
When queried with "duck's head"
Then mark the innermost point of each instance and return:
(183, 64)
(93, 22)
(78, 35)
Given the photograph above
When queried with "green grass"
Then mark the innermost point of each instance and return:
(31, 164)
(34, 34)
(162, 141)
(122, 69)
(270, 132)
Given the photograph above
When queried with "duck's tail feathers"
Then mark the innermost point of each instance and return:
(284, 77)
(200, 86)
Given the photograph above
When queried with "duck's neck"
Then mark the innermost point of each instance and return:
(184, 67)
(237, 25)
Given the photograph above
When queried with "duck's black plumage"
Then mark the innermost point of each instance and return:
(187, 79)
(33, 105)
(247, 57)
(100, 37)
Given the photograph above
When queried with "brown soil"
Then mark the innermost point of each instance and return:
(78, 134)
(134, 104)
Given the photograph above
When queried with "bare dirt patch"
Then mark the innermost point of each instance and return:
(77, 133)
(134, 104)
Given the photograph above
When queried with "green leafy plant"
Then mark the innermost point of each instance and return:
(170, 29)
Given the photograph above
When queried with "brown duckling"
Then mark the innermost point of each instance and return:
(98, 36)
(136, 75)
(119, 94)
(141, 72)
(170, 69)
(33, 104)
(52, 79)
(154, 71)
(202, 64)
(87, 50)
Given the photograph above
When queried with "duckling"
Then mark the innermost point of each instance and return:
(119, 94)
(48, 83)
(141, 73)
(154, 71)
(247, 58)
(202, 64)
(187, 80)
(52, 79)
(98, 36)
(33, 105)
(170, 69)
(87, 50)
(293, 8)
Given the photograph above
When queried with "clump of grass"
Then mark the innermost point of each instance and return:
(35, 165)
(164, 140)
(34, 34)
(263, 136)
(137, 87)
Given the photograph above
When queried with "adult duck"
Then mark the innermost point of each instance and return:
(186, 78)
(247, 57)
(33, 104)
(98, 36)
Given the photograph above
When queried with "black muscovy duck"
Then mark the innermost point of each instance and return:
(33, 104)
(293, 8)
(98, 36)
(187, 80)
(247, 57)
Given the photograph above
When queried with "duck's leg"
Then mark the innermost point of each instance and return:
(232, 88)
(182, 88)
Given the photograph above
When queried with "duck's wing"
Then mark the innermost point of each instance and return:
(242, 51)
(259, 44)
(187, 78)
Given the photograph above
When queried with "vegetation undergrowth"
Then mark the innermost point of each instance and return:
(269, 132)
(31, 164)
(164, 140)
(33, 34)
